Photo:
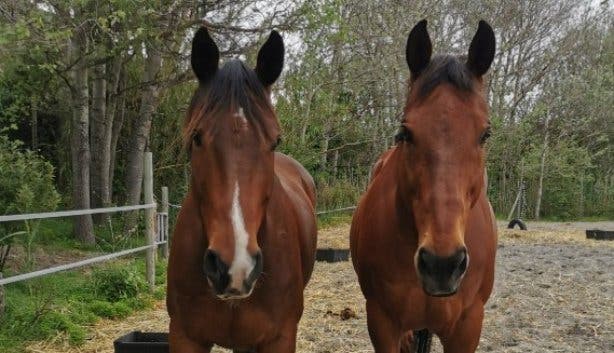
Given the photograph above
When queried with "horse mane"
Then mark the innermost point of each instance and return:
(234, 85)
(444, 69)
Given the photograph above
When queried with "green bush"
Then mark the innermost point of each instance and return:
(116, 283)
(26, 180)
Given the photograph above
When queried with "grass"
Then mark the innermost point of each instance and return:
(601, 218)
(67, 303)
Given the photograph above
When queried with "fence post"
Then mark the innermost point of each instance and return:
(164, 224)
(150, 215)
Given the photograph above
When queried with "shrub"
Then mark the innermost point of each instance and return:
(337, 193)
(116, 283)
(110, 310)
(26, 180)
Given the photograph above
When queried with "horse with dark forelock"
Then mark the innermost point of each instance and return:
(423, 238)
(244, 245)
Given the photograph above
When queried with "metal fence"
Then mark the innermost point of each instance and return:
(154, 238)
(343, 209)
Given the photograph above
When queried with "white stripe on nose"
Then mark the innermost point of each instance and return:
(242, 263)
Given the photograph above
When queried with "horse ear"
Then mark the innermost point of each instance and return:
(205, 55)
(481, 50)
(270, 59)
(419, 49)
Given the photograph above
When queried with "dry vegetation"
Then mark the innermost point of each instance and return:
(554, 293)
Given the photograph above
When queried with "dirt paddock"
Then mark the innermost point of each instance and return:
(554, 292)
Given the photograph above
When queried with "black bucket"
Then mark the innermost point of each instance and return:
(142, 342)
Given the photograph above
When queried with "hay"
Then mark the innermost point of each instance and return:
(554, 293)
(336, 237)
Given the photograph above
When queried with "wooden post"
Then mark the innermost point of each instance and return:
(150, 215)
(164, 225)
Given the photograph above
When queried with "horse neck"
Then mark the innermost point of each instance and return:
(276, 198)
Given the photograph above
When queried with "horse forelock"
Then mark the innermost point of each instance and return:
(234, 91)
(442, 69)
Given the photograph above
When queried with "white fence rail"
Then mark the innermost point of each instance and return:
(70, 213)
(343, 209)
(153, 239)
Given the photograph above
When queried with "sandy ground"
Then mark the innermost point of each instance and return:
(554, 292)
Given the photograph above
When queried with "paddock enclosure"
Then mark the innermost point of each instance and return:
(554, 292)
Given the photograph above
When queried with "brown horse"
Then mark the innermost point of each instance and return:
(244, 245)
(423, 238)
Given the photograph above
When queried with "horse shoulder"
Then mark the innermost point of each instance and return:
(375, 221)
(184, 274)
(481, 239)
(295, 177)
(381, 162)
(299, 189)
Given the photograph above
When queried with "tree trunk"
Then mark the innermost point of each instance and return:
(582, 198)
(99, 144)
(324, 148)
(335, 163)
(503, 191)
(2, 305)
(307, 116)
(34, 122)
(104, 102)
(140, 132)
(118, 123)
(79, 144)
(540, 186)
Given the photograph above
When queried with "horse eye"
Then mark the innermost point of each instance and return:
(404, 135)
(197, 139)
(276, 143)
(485, 135)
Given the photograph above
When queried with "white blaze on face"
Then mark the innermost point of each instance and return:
(241, 115)
(242, 263)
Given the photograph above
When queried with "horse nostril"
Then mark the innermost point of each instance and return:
(463, 261)
(258, 266)
(216, 271)
(421, 261)
(424, 259)
(211, 264)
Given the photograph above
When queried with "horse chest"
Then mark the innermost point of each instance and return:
(227, 324)
(403, 298)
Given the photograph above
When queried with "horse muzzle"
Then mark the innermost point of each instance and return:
(225, 284)
(441, 276)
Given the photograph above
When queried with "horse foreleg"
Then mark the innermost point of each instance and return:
(385, 336)
(284, 343)
(466, 334)
(180, 343)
